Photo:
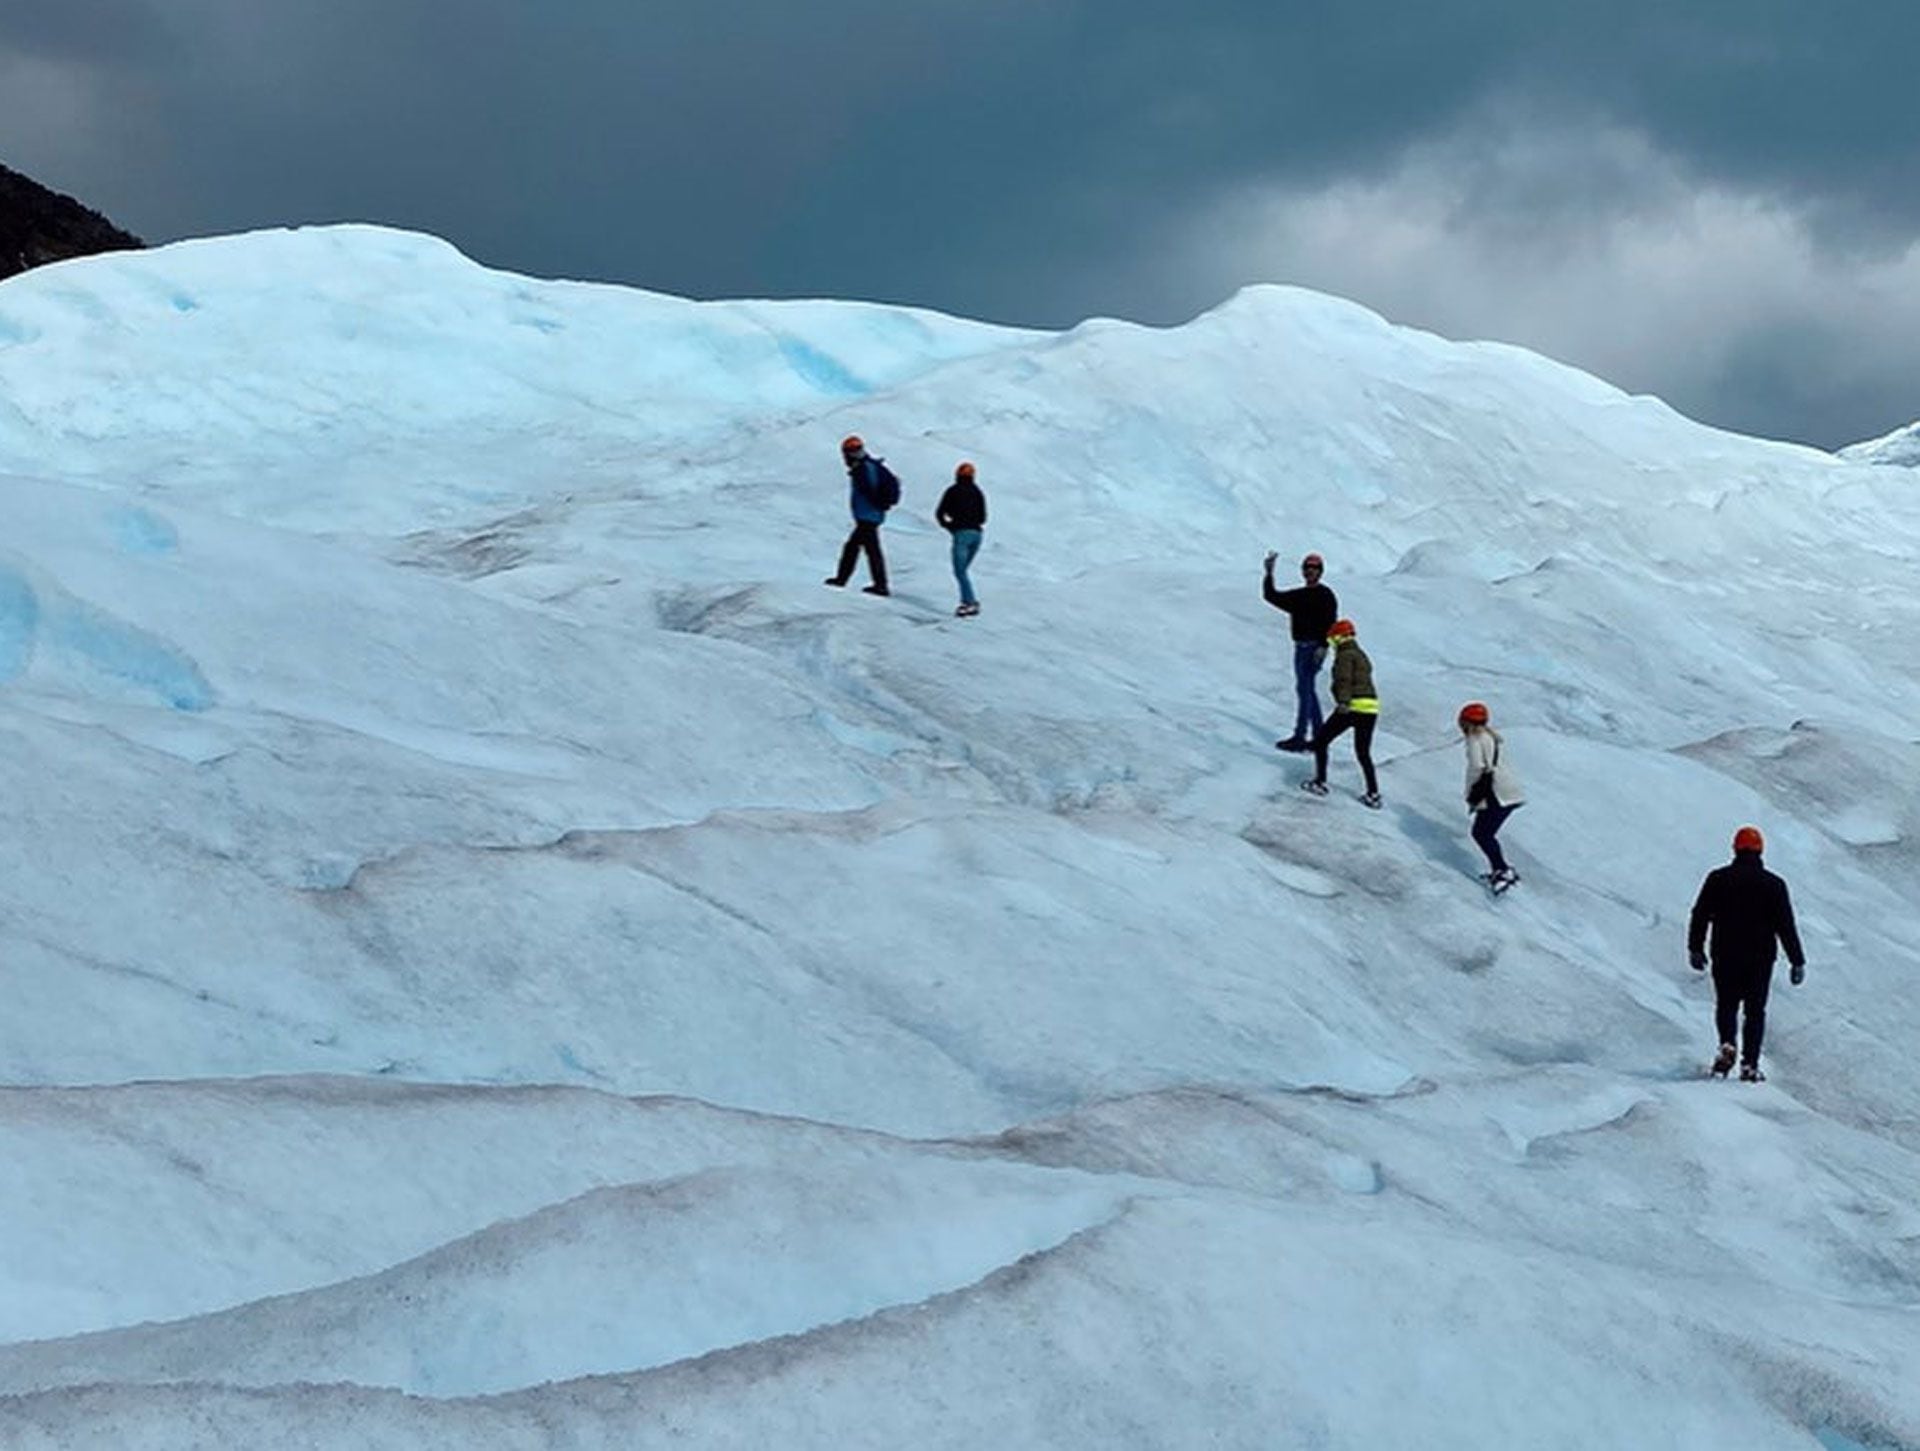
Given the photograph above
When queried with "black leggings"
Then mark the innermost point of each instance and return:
(1487, 822)
(1362, 728)
(1737, 986)
(866, 535)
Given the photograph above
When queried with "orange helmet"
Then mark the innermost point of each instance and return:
(1313, 561)
(1474, 712)
(1748, 838)
(1342, 630)
(853, 443)
(965, 471)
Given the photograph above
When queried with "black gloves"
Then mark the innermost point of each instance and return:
(1698, 959)
(1798, 975)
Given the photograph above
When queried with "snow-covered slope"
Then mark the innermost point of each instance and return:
(497, 955)
(1901, 448)
(315, 378)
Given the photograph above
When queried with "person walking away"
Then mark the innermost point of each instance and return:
(962, 512)
(873, 490)
(1493, 791)
(1749, 915)
(1355, 708)
(1312, 610)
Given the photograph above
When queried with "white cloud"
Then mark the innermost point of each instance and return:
(1593, 246)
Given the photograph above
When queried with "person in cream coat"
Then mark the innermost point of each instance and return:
(1493, 791)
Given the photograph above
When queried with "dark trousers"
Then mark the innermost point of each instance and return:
(1362, 728)
(1487, 822)
(1737, 986)
(866, 535)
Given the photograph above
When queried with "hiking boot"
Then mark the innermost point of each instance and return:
(876, 589)
(1723, 1060)
(1372, 798)
(1316, 788)
(1293, 743)
(967, 612)
(1750, 1073)
(836, 583)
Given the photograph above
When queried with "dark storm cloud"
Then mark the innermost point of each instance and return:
(656, 144)
(1814, 99)
(98, 31)
(1030, 160)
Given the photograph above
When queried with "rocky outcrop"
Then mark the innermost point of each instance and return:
(38, 225)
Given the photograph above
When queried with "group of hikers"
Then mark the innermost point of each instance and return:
(1741, 917)
(873, 490)
(1493, 790)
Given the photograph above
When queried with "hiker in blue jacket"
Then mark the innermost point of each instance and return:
(872, 490)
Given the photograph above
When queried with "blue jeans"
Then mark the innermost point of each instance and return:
(1307, 655)
(966, 544)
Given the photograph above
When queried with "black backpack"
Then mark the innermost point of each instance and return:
(886, 486)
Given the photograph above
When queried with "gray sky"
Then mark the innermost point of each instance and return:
(1714, 200)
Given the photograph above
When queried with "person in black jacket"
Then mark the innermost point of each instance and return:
(1749, 913)
(962, 512)
(1312, 609)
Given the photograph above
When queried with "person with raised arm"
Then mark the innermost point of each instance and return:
(1311, 609)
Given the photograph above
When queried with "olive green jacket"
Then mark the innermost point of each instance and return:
(1353, 678)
